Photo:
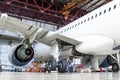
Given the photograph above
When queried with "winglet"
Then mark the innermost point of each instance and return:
(3, 19)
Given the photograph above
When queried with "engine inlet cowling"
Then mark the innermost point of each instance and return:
(21, 55)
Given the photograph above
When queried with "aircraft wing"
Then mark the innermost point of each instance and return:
(14, 25)
(50, 36)
(27, 30)
(7, 39)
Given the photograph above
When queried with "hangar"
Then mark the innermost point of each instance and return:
(62, 36)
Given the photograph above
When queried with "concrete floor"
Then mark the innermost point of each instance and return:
(59, 76)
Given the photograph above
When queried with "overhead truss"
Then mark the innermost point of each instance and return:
(52, 11)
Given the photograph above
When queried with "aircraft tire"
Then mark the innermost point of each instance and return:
(115, 67)
(109, 60)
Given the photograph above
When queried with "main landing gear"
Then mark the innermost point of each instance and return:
(52, 65)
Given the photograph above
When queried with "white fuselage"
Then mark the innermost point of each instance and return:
(99, 31)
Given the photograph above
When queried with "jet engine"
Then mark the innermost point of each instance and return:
(21, 55)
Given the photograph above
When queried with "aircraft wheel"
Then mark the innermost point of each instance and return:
(62, 66)
(109, 59)
(115, 67)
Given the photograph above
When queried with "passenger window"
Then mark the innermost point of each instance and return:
(67, 28)
(114, 6)
(78, 23)
(88, 19)
(100, 13)
(104, 11)
(110, 9)
(96, 15)
(75, 25)
(64, 30)
(92, 17)
(84, 20)
(81, 22)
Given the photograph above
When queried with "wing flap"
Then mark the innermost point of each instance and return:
(51, 36)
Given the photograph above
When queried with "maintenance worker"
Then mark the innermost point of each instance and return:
(47, 67)
(71, 65)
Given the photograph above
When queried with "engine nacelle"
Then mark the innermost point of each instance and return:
(21, 55)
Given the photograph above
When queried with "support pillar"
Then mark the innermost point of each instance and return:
(55, 50)
(95, 64)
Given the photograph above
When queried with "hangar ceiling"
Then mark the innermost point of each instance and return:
(58, 12)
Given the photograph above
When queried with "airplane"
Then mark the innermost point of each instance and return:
(95, 36)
